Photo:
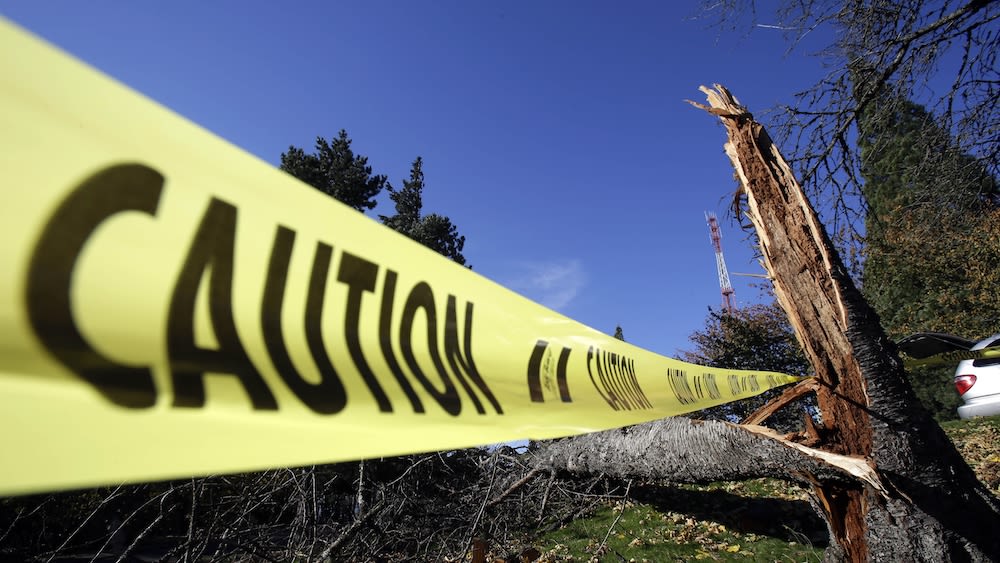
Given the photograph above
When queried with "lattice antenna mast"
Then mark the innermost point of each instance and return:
(728, 294)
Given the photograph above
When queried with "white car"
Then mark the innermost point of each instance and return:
(978, 383)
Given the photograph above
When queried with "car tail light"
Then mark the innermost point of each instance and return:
(964, 382)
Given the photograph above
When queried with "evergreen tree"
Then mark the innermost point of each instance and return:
(433, 231)
(931, 245)
(335, 170)
(758, 337)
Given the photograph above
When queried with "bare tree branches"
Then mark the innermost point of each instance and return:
(423, 507)
(940, 54)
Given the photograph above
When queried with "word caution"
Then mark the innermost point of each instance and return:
(209, 260)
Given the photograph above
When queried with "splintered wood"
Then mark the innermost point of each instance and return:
(810, 284)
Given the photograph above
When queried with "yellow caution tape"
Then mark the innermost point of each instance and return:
(950, 357)
(173, 306)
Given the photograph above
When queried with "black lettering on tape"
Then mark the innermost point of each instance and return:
(421, 297)
(385, 340)
(315, 301)
(359, 275)
(626, 384)
(635, 381)
(209, 264)
(538, 354)
(616, 380)
(631, 382)
(115, 189)
(535, 372)
(711, 386)
(461, 362)
(601, 383)
(211, 253)
(749, 383)
(328, 396)
(680, 386)
(628, 372)
(704, 383)
(591, 351)
(561, 376)
(617, 402)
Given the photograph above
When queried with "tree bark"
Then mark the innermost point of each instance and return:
(686, 451)
(891, 485)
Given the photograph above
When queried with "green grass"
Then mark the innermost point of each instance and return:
(979, 423)
(759, 520)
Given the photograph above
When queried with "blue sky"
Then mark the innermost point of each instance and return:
(554, 133)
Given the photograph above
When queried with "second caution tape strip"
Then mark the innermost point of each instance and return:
(937, 348)
(172, 306)
(951, 357)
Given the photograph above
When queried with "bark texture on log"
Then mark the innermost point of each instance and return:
(685, 451)
(936, 509)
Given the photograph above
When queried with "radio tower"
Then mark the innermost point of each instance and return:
(728, 299)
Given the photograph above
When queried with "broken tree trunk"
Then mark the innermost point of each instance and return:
(936, 509)
(892, 487)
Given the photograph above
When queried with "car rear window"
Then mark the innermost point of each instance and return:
(988, 361)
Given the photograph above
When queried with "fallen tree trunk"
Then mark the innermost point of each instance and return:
(890, 484)
(683, 450)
